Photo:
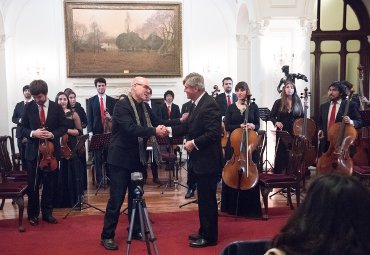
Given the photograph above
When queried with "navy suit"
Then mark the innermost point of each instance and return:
(55, 123)
(17, 119)
(322, 122)
(222, 102)
(204, 126)
(95, 125)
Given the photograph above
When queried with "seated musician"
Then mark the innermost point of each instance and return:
(234, 201)
(332, 112)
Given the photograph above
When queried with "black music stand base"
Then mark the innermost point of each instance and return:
(104, 179)
(82, 205)
(195, 201)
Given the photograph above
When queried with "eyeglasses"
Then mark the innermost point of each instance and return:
(146, 86)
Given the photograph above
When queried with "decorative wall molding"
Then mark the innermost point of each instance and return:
(258, 27)
(243, 41)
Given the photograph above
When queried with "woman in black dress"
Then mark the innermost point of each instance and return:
(233, 201)
(283, 113)
(70, 186)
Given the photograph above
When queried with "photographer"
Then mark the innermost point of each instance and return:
(132, 127)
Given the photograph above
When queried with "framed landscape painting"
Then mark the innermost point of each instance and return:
(123, 39)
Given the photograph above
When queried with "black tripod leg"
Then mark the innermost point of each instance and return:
(151, 238)
(129, 238)
(143, 226)
(188, 203)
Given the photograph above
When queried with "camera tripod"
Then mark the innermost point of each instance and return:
(145, 225)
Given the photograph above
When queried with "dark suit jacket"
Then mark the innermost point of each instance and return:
(94, 123)
(17, 116)
(353, 113)
(55, 123)
(204, 126)
(185, 107)
(124, 146)
(156, 110)
(175, 111)
(222, 103)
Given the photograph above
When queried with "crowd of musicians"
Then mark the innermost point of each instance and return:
(49, 131)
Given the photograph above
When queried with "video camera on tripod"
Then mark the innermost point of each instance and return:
(138, 181)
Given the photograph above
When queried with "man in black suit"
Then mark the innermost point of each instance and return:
(337, 96)
(17, 119)
(169, 110)
(43, 120)
(154, 166)
(228, 97)
(132, 127)
(99, 107)
(204, 147)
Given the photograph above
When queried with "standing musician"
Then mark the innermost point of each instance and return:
(283, 113)
(43, 121)
(70, 181)
(204, 147)
(249, 200)
(328, 116)
(99, 107)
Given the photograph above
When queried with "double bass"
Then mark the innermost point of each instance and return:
(240, 172)
(341, 136)
(306, 127)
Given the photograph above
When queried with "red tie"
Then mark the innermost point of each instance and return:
(102, 110)
(169, 112)
(228, 101)
(42, 115)
(332, 114)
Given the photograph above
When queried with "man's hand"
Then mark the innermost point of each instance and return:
(184, 117)
(161, 131)
(107, 115)
(189, 146)
(320, 134)
(279, 125)
(42, 133)
(346, 119)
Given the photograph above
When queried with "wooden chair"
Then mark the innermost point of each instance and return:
(9, 171)
(16, 156)
(289, 180)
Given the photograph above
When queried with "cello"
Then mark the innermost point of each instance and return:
(306, 127)
(240, 172)
(340, 136)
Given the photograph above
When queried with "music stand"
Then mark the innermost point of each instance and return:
(80, 200)
(100, 142)
(264, 113)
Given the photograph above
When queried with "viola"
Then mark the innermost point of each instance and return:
(307, 128)
(240, 172)
(341, 137)
(64, 148)
(48, 160)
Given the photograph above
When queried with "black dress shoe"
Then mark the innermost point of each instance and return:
(137, 236)
(200, 243)
(50, 219)
(109, 244)
(33, 221)
(189, 193)
(194, 237)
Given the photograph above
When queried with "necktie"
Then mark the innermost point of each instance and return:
(42, 115)
(102, 110)
(332, 114)
(169, 112)
(228, 100)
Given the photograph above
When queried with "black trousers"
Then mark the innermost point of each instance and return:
(207, 205)
(120, 182)
(49, 182)
(191, 182)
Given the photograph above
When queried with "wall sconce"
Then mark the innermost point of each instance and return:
(36, 71)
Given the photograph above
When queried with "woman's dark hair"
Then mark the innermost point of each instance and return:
(169, 92)
(297, 107)
(243, 86)
(38, 87)
(333, 219)
(63, 93)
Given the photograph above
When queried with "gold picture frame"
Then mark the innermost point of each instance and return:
(123, 39)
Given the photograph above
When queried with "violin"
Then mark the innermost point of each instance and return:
(307, 128)
(64, 148)
(107, 124)
(48, 160)
(341, 137)
(240, 172)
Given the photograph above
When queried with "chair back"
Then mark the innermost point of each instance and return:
(6, 164)
(296, 156)
(261, 147)
(252, 247)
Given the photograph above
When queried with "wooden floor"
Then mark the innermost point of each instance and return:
(169, 201)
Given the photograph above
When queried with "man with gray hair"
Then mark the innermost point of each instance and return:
(203, 129)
